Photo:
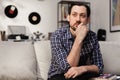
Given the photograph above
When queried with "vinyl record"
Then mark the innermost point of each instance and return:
(34, 18)
(11, 11)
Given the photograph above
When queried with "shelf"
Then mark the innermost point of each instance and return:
(63, 21)
(70, 2)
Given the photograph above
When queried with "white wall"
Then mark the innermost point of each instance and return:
(46, 8)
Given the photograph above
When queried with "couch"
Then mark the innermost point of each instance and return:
(27, 61)
(18, 61)
(111, 56)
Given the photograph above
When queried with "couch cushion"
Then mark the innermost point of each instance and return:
(43, 53)
(111, 56)
(17, 61)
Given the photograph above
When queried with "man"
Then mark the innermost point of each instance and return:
(73, 46)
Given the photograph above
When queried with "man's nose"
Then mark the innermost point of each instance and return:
(78, 18)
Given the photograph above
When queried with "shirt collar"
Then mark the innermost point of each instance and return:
(69, 35)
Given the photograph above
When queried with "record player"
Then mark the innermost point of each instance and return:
(17, 31)
(13, 36)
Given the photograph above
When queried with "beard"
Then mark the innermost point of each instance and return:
(73, 28)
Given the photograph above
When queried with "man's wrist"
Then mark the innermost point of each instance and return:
(78, 41)
(84, 69)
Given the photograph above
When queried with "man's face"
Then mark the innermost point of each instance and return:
(78, 15)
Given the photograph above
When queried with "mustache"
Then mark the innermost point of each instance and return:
(78, 22)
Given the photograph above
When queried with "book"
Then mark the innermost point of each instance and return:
(105, 77)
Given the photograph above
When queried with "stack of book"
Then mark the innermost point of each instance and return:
(105, 77)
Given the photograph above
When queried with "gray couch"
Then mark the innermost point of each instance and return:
(26, 61)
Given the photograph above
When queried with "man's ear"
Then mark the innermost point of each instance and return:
(68, 18)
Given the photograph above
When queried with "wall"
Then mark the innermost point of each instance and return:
(46, 8)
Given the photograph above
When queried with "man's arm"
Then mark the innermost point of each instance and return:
(74, 55)
(76, 71)
(95, 60)
(59, 53)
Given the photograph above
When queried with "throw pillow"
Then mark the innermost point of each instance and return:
(17, 61)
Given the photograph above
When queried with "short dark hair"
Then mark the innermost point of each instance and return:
(80, 4)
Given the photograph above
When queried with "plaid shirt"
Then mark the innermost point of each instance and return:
(61, 44)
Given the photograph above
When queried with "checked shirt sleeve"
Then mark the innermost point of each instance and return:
(59, 54)
(97, 56)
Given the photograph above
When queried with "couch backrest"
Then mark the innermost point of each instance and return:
(43, 53)
(111, 56)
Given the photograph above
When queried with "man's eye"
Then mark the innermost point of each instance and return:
(74, 15)
(83, 16)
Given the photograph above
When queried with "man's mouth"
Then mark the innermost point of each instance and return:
(76, 24)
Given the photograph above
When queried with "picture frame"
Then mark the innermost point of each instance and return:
(114, 15)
